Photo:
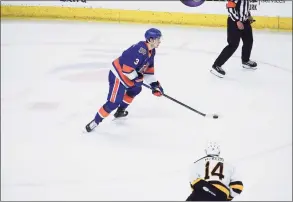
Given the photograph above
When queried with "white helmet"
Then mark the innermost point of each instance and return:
(212, 149)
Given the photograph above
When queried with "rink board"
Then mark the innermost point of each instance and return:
(138, 16)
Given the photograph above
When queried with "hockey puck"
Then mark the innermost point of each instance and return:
(215, 116)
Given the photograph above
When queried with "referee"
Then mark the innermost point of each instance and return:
(238, 26)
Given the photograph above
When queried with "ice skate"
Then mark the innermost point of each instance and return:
(120, 113)
(218, 71)
(249, 65)
(91, 126)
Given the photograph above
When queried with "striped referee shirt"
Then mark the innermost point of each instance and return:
(238, 10)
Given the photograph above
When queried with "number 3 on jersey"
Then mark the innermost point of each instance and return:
(136, 61)
(216, 171)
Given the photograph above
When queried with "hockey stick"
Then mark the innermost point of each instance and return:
(215, 116)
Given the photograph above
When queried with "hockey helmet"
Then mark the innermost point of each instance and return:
(212, 148)
(152, 33)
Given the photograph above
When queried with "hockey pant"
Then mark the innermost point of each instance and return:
(204, 191)
(118, 96)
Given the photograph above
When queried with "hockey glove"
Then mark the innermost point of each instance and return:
(157, 89)
(138, 81)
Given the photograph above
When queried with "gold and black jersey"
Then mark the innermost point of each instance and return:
(236, 186)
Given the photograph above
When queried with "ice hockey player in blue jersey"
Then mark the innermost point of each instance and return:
(126, 76)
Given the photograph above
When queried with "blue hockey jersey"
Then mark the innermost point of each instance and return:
(137, 58)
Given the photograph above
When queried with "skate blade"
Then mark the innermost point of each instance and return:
(84, 131)
(248, 67)
(216, 73)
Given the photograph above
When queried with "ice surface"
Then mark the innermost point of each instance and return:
(54, 79)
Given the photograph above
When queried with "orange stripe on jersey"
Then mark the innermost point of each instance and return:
(115, 90)
(231, 4)
(127, 69)
(124, 78)
(127, 98)
(150, 70)
(103, 112)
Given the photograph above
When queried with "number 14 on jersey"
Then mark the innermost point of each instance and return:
(217, 170)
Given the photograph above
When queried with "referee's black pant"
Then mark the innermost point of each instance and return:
(233, 38)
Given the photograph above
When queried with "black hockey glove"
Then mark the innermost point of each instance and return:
(157, 89)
